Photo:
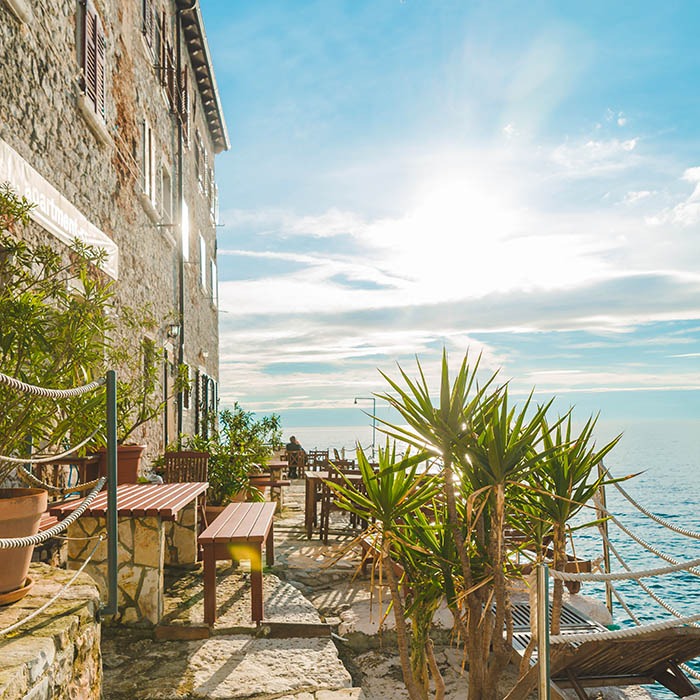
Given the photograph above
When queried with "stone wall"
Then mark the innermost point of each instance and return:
(145, 545)
(101, 171)
(57, 655)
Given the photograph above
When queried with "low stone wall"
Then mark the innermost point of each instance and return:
(57, 654)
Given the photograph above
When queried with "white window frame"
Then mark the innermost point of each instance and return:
(202, 261)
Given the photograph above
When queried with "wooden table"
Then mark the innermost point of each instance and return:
(312, 485)
(157, 525)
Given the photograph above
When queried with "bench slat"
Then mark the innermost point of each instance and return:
(164, 500)
(246, 521)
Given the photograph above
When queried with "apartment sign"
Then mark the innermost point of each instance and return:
(53, 211)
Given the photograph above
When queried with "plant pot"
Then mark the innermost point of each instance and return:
(128, 463)
(20, 513)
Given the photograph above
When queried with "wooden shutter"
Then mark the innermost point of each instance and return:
(148, 21)
(185, 106)
(101, 53)
(89, 52)
(163, 51)
(94, 58)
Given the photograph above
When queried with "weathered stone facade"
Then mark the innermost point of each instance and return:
(61, 658)
(145, 545)
(141, 173)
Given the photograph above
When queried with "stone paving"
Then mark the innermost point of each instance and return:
(239, 660)
(291, 656)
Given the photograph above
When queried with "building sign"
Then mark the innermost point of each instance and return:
(53, 211)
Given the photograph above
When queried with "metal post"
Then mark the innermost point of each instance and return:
(374, 417)
(606, 550)
(543, 631)
(112, 531)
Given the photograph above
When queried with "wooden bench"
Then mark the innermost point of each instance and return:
(239, 532)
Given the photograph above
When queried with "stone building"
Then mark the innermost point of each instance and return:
(109, 121)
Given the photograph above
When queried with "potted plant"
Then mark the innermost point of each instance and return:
(140, 397)
(238, 446)
(54, 322)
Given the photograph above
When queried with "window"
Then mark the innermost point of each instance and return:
(214, 282)
(202, 261)
(148, 162)
(148, 23)
(166, 196)
(199, 160)
(213, 197)
(93, 59)
(184, 107)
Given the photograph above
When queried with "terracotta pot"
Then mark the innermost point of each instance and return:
(128, 463)
(20, 513)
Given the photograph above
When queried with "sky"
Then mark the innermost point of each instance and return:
(519, 180)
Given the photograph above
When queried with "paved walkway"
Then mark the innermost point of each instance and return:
(293, 656)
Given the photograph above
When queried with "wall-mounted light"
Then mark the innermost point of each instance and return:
(173, 330)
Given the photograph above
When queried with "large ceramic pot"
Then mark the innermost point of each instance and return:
(128, 463)
(20, 514)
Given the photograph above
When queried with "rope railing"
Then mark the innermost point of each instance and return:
(52, 600)
(624, 633)
(642, 585)
(649, 514)
(639, 540)
(46, 459)
(29, 478)
(17, 542)
(623, 575)
(49, 393)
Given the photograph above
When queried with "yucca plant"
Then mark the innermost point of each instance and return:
(563, 481)
(390, 499)
(451, 429)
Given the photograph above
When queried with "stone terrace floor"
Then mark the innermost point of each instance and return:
(305, 588)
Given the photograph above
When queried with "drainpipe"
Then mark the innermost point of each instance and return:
(181, 7)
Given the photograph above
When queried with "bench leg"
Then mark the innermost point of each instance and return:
(270, 546)
(256, 582)
(209, 585)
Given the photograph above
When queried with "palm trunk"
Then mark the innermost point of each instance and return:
(475, 628)
(502, 649)
(402, 634)
(558, 564)
(435, 671)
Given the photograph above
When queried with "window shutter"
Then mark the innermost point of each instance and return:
(94, 57)
(148, 23)
(89, 52)
(185, 106)
(162, 59)
(101, 54)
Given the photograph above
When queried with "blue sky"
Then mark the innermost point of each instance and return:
(519, 179)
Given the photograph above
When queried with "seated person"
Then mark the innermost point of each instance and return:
(296, 457)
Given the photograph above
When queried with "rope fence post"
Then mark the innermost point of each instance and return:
(543, 631)
(604, 531)
(112, 532)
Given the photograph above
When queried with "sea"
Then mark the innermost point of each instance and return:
(662, 458)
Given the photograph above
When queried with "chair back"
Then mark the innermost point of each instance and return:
(343, 465)
(296, 463)
(181, 467)
(317, 460)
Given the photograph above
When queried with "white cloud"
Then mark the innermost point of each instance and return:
(595, 157)
(636, 196)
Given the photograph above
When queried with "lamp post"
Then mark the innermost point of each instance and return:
(374, 416)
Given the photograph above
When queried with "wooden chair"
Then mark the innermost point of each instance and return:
(317, 460)
(328, 502)
(186, 466)
(296, 463)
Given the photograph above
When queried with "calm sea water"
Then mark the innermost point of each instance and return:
(665, 456)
